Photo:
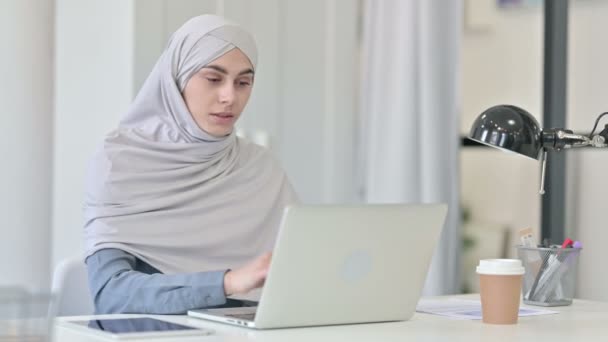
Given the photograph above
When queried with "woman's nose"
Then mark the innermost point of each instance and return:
(227, 94)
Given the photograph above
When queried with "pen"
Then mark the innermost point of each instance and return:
(541, 271)
(533, 260)
(571, 256)
(550, 262)
(567, 243)
(549, 284)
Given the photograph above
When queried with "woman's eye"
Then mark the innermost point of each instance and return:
(213, 80)
(244, 83)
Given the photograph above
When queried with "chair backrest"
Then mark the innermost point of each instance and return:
(71, 288)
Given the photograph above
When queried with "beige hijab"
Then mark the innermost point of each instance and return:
(167, 192)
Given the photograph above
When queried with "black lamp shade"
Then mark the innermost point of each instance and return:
(510, 128)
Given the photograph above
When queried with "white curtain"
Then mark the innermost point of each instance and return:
(409, 115)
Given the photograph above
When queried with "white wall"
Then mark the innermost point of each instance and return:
(26, 69)
(317, 98)
(503, 64)
(587, 91)
(591, 224)
(93, 86)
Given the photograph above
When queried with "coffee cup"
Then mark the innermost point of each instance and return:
(500, 287)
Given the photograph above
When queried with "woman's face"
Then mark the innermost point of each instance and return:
(217, 94)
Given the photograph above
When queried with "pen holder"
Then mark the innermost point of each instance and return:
(25, 316)
(550, 276)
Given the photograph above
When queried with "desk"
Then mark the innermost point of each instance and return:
(581, 321)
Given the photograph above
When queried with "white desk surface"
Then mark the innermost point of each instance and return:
(581, 321)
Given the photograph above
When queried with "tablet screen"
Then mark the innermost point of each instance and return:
(133, 325)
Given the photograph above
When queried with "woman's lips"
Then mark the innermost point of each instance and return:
(222, 118)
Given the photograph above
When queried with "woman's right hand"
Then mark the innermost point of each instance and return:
(248, 277)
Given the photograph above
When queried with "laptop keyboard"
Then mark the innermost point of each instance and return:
(246, 316)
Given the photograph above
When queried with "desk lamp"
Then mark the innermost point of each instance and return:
(513, 129)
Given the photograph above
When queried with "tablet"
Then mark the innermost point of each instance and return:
(140, 327)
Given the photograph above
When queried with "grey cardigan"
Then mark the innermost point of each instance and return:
(121, 283)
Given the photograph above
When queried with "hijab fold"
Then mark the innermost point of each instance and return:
(164, 190)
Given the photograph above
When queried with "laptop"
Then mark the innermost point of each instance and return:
(336, 264)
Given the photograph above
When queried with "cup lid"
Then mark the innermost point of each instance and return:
(500, 267)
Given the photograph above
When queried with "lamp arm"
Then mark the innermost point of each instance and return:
(600, 139)
(558, 139)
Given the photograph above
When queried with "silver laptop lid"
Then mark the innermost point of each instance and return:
(349, 264)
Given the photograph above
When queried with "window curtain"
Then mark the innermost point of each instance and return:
(409, 127)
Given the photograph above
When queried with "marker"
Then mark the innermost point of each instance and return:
(567, 243)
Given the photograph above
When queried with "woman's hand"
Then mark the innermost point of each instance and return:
(248, 277)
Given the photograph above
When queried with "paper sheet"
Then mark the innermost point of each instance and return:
(466, 309)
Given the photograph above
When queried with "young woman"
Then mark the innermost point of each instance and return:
(179, 212)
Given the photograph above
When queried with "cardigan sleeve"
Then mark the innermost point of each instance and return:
(121, 283)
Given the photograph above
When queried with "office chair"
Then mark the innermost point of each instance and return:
(71, 288)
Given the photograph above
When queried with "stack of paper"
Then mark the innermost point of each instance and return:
(466, 309)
